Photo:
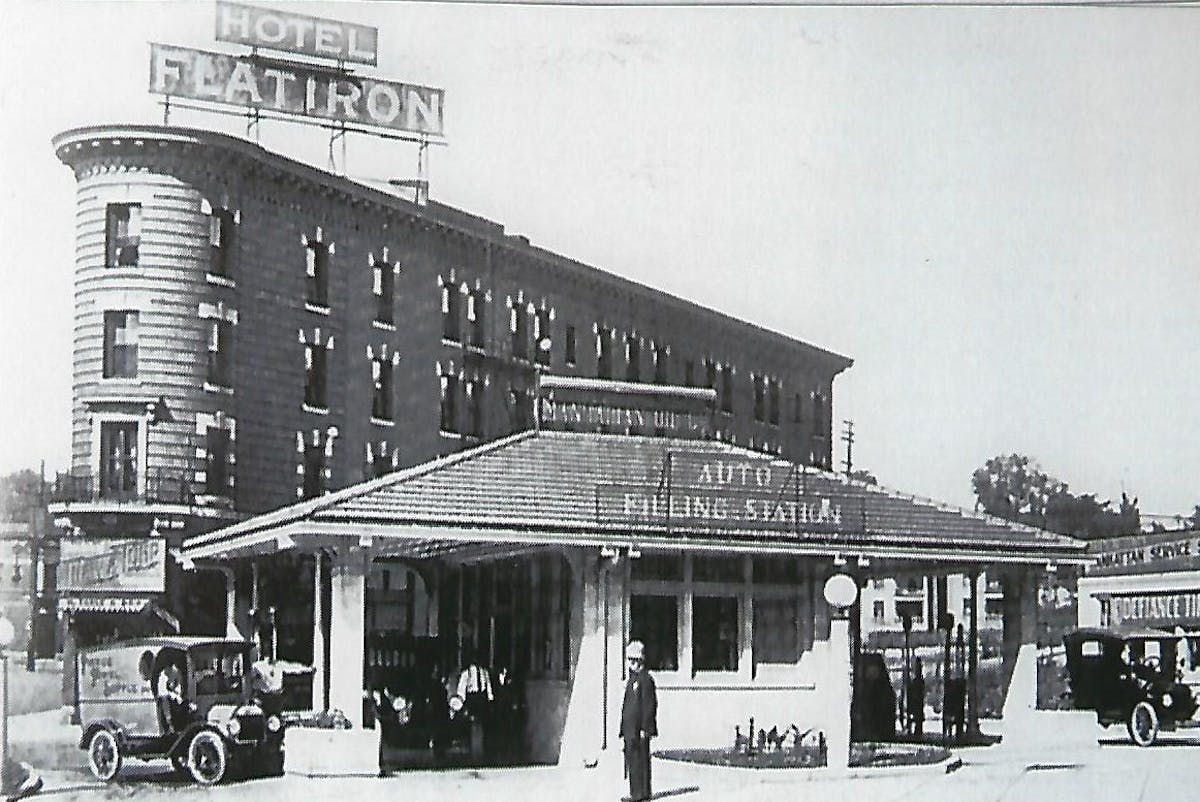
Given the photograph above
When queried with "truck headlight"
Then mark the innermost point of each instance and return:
(234, 726)
(274, 724)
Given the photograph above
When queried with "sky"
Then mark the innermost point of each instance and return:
(992, 210)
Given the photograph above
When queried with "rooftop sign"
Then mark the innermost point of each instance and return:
(294, 89)
(1145, 554)
(113, 565)
(573, 404)
(296, 33)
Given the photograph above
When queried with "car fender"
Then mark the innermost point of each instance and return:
(179, 748)
(102, 724)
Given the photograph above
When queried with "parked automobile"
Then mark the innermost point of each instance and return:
(1129, 677)
(189, 699)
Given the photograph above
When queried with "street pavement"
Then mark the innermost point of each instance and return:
(1053, 757)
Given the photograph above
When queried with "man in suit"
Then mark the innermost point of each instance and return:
(639, 721)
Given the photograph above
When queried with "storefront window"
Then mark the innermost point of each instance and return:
(777, 570)
(714, 633)
(776, 629)
(654, 620)
(717, 569)
(664, 567)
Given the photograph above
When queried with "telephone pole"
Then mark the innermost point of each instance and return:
(848, 439)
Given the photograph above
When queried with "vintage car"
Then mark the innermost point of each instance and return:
(1129, 677)
(189, 699)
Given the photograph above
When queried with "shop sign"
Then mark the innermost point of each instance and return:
(1156, 609)
(113, 565)
(590, 416)
(1146, 554)
(292, 88)
(296, 33)
(112, 674)
(711, 493)
(102, 604)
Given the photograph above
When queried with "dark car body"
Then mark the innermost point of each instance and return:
(1129, 677)
(189, 699)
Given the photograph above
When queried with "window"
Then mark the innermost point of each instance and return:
(541, 336)
(120, 344)
(818, 408)
(727, 389)
(632, 358)
(451, 330)
(378, 461)
(797, 409)
(475, 309)
(604, 357)
(689, 369)
(314, 468)
(518, 325)
(654, 620)
(381, 379)
(217, 459)
(774, 390)
(710, 374)
(315, 375)
(118, 459)
(913, 609)
(569, 344)
(475, 407)
(221, 227)
(715, 633)
(660, 364)
(220, 343)
(760, 397)
(877, 609)
(449, 410)
(776, 629)
(122, 234)
(519, 408)
(383, 286)
(316, 272)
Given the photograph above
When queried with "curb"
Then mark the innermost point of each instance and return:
(947, 765)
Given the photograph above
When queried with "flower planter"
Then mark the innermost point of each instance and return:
(314, 752)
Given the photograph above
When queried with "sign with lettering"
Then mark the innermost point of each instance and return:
(115, 682)
(575, 404)
(1146, 554)
(1154, 609)
(126, 565)
(296, 33)
(720, 492)
(294, 89)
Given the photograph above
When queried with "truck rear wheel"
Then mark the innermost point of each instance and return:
(104, 755)
(1143, 724)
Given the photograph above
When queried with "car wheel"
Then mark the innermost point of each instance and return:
(104, 755)
(207, 757)
(1143, 724)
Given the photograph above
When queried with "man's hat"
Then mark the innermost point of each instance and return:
(636, 649)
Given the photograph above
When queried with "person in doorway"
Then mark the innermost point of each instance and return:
(639, 721)
(475, 689)
(915, 699)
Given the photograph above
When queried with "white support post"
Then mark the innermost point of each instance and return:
(347, 635)
(319, 691)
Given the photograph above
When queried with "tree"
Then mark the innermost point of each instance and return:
(1015, 488)
(19, 496)
(867, 478)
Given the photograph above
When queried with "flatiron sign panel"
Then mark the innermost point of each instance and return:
(292, 88)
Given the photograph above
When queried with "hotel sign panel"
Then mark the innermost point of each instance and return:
(296, 33)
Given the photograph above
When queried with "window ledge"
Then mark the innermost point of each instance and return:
(220, 281)
(315, 410)
(114, 381)
(316, 308)
(379, 324)
(382, 421)
(223, 389)
(476, 349)
(450, 435)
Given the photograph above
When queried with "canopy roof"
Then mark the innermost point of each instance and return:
(570, 488)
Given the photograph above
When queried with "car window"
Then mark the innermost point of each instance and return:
(218, 671)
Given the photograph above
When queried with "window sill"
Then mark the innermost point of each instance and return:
(315, 410)
(379, 324)
(222, 389)
(476, 349)
(452, 343)
(382, 421)
(220, 281)
(316, 308)
(450, 435)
